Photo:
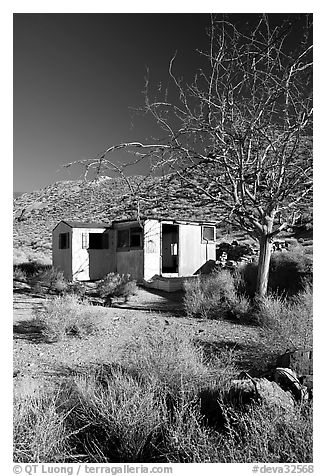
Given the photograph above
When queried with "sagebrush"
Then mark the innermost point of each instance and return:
(215, 296)
(146, 405)
(68, 316)
(116, 285)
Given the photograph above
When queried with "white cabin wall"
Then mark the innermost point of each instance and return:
(62, 259)
(193, 253)
(88, 264)
(152, 248)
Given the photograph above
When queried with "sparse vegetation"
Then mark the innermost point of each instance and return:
(67, 316)
(106, 385)
(49, 281)
(39, 428)
(30, 269)
(116, 285)
(215, 296)
(289, 272)
(287, 322)
(146, 405)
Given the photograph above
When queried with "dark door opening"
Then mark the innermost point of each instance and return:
(170, 248)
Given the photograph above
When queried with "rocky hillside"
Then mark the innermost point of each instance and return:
(106, 199)
(36, 213)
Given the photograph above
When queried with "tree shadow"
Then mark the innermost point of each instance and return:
(252, 357)
(171, 302)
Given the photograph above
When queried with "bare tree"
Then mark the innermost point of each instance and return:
(239, 134)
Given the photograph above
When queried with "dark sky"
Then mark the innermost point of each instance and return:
(76, 78)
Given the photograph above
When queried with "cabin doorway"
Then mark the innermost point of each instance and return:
(170, 248)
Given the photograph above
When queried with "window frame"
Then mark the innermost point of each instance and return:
(136, 231)
(205, 240)
(131, 230)
(64, 238)
(127, 246)
(87, 238)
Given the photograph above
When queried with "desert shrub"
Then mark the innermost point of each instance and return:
(288, 274)
(264, 434)
(115, 418)
(187, 438)
(39, 429)
(261, 434)
(290, 271)
(117, 285)
(215, 296)
(68, 316)
(30, 268)
(77, 288)
(145, 405)
(287, 323)
(168, 357)
(50, 280)
(19, 274)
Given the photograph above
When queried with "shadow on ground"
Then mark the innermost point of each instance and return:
(251, 357)
(31, 330)
(155, 300)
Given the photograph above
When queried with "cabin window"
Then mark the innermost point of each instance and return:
(98, 241)
(208, 233)
(136, 237)
(63, 241)
(123, 239)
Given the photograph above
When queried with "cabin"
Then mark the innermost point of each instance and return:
(81, 250)
(158, 252)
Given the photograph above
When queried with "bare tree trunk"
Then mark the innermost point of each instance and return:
(265, 250)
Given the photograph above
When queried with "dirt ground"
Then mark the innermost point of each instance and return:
(35, 358)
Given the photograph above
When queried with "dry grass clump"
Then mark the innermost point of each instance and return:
(215, 296)
(288, 323)
(114, 417)
(156, 398)
(289, 273)
(39, 428)
(116, 285)
(68, 316)
(265, 434)
(49, 280)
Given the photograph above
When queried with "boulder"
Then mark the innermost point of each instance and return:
(287, 379)
(246, 391)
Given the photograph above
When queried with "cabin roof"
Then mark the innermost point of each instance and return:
(166, 219)
(80, 224)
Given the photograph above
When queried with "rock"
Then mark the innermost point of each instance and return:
(287, 379)
(246, 391)
(300, 360)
